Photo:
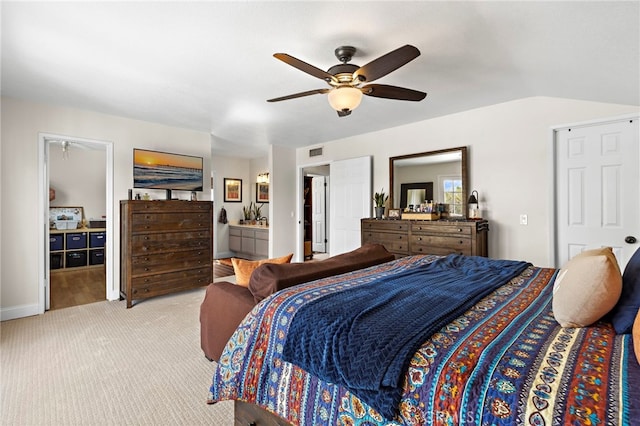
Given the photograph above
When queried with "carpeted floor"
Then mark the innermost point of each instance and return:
(103, 364)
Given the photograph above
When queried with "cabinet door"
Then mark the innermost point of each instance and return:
(248, 245)
(235, 243)
(262, 248)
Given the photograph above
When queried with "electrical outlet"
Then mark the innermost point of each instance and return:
(524, 219)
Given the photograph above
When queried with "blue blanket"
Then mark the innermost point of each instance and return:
(364, 337)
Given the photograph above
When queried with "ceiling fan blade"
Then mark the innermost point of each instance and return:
(305, 67)
(392, 92)
(299, 95)
(386, 63)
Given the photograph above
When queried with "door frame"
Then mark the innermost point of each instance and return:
(299, 257)
(553, 211)
(43, 208)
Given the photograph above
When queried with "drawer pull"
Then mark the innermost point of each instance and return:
(146, 237)
(146, 269)
(461, 242)
(419, 238)
(459, 229)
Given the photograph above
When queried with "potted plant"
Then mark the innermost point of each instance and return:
(246, 211)
(257, 211)
(380, 198)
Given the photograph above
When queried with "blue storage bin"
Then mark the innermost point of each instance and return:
(97, 239)
(55, 261)
(56, 242)
(76, 258)
(76, 240)
(96, 257)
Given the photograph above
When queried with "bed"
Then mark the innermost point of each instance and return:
(499, 357)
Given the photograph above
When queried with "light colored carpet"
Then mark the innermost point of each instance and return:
(103, 364)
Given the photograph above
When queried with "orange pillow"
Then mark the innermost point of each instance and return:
(244, 268)
(636, 336)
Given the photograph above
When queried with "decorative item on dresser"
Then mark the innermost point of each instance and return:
(440, 237)
(166, 247)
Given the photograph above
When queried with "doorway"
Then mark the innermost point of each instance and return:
(315, 207)
(76, 187)
(597, 188)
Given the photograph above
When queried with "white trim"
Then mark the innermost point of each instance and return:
(299, 255)
(112, 292)
(552, 164)
(15, 312)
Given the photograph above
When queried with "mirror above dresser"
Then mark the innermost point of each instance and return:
(436, 176)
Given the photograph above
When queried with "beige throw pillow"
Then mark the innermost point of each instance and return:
(244, 268)
(587, 287)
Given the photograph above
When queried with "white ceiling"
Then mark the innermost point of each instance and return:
(208, 66)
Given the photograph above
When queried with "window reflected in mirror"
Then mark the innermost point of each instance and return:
(435, 176)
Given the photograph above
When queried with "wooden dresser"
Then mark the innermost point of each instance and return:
(165, 246)
(441, 237)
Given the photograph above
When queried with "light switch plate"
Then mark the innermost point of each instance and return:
(524, 219)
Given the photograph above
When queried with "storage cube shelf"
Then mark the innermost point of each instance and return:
(75, 248)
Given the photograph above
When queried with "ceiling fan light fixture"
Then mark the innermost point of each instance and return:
(345, 98)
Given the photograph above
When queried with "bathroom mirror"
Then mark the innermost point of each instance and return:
(439, 176)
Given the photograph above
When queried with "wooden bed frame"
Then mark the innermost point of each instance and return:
(247, 414)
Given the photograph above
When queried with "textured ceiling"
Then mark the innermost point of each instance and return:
(208, 66)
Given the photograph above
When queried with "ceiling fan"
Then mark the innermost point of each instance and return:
(346, 80)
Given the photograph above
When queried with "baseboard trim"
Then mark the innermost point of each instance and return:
(16, 312)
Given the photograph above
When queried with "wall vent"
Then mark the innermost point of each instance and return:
(315, 152)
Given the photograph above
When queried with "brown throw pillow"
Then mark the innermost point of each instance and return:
(244, 268)
(636, 336)
(587, 287)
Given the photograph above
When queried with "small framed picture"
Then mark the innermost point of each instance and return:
(262, 192)
(394, 214)
(232, 190)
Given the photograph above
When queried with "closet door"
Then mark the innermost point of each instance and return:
(598, 189)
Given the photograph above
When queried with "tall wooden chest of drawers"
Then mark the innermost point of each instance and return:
(408, 237)
(165, 246)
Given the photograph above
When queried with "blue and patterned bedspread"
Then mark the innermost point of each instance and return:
(504, 361)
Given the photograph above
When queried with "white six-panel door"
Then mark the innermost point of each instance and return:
(598, 189)
(350, 194)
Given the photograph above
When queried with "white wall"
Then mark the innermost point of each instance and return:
(79, 179)
(285, 224)
(21, 123)
(510, 162)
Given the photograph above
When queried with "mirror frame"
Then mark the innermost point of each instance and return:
(463, 151)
